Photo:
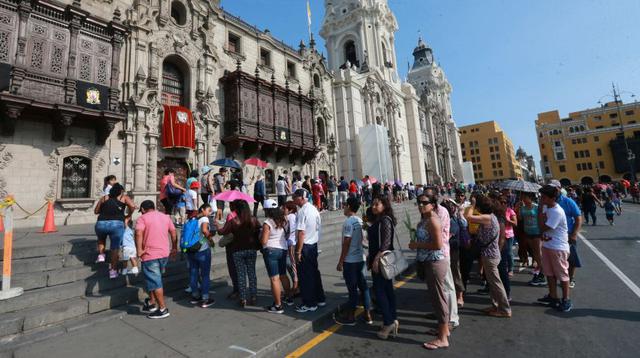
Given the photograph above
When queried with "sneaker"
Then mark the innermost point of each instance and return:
(289, 301)
(134, 270)
(344, 320)
(195, 300)
(101, 258)
(322, 304)
(564, 306)
(538, 280)
(546, 299)
(275, 309)
(159, 314)
(147, 307)
(113, 274)
(572, 284)
(207, 303)
(304, 308)
(188, 289)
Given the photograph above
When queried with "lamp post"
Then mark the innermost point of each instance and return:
(631, 157)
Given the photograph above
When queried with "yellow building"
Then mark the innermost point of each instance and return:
(491, 152)
(588, 146)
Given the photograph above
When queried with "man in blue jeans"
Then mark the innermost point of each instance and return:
(153, 249)
(351, 263)
(307, 234)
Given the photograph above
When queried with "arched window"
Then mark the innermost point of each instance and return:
(350, 53)
(178, 12)
(321, 131)
(316, 81)
(173, 85)
(269, 181)
(76, 177)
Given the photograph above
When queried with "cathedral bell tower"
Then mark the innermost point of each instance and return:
(361, 33)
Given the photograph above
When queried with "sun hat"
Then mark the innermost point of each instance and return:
(269, 204)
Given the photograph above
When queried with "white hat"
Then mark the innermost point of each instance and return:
(556, 183)
(269, 204)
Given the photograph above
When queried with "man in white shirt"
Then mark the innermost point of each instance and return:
(555, 248)
(308, 233)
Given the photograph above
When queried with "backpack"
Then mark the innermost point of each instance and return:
(190, 237)
(174, 194)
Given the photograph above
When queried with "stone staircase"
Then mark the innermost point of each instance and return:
(63, 284)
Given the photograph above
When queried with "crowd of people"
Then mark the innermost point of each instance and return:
(459, 226)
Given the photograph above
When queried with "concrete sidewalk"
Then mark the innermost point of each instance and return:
(223, 330)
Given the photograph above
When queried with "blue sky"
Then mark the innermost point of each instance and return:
(507, 60)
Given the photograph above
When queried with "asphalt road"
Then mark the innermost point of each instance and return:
(604, 322)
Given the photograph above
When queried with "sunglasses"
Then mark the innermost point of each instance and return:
(423, 203)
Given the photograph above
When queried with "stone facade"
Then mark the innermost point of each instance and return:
(137, 56)
(439, 135)
(360, 40)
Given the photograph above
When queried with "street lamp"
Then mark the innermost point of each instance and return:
(631, 157)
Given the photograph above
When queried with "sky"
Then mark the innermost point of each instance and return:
(507, 60)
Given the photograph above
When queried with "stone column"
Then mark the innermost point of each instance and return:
(153, 162)
(140, 152)
(114, 91)
(24, 11)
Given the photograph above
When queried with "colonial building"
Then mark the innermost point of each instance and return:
(374, 109)
(130, 88)
(60, 98)
(527, 165)
(490, 151)
(593, 145)
(439, 135)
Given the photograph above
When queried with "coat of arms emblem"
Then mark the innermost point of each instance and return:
(182, 117)
(93, 96)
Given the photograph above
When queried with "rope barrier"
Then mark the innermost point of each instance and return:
(9, 201)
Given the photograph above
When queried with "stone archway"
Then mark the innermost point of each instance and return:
(587, 180)
(605, 179)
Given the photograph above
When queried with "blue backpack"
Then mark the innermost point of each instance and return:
(190, 237)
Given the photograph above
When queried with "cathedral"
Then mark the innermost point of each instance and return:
(380, 118)
(90, 88)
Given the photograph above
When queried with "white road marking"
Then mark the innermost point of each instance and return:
(242, 349)
(626, 280)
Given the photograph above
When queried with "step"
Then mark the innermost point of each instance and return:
(43, 296)
(29, 319)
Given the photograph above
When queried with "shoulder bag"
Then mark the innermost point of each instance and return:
(392, 262)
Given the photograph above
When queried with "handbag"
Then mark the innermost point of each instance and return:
(226, 240)
(172, 192)
(392, 262)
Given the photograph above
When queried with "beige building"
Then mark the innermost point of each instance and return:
(588, 146)
(491, 151)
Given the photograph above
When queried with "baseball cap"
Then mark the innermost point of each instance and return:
(194, 185)
(556, 183)
(270, 204)
(300, 193)
(147, 205)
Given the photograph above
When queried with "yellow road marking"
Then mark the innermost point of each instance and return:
(336, 327)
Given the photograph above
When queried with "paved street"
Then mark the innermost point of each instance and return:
(603, 323)
(605, 316)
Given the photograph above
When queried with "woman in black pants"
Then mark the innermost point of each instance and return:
(589, 205)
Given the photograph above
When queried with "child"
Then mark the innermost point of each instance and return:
(109, 180)
(351, 264)
(192, 200)
(610, 209)
(129, 249)
(200, 261)
(617, 202)
(180, 210)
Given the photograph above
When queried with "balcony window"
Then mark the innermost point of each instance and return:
(233, 43)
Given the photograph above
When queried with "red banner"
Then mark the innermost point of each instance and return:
(178, 129)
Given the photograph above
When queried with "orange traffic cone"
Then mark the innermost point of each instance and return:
(49, 221)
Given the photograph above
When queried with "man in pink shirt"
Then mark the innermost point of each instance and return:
(152, 244)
